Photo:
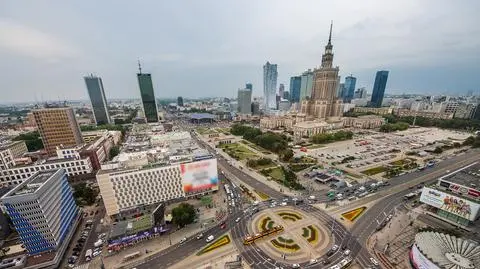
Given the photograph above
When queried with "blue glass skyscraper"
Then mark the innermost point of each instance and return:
(379, 88)
(349, 89)
(295, 84)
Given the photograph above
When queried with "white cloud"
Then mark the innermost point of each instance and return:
(34, 43)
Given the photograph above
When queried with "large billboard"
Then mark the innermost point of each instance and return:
(420, 261)
(450, 203)
(199, 176)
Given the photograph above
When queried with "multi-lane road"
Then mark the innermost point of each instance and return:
(356, 238)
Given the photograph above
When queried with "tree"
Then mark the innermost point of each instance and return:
(32, 140)
(114, 151)
(287, 155)
(85, 193)
(183, 214)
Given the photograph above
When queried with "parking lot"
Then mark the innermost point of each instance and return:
(90, 230)
(373, 149)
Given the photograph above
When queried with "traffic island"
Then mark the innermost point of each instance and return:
(285, 244)
(290, 216)
(220, 242)
(310, 233)
(265, 224)
(352, 215)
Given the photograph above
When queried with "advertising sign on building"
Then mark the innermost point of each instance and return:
(199, 176)
(450, 203)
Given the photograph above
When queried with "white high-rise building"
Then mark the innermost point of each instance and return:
(270, 75)
(244, 100)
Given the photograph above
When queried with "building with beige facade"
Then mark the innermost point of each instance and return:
(307, 129)
(401, 112)
(363, 122)
(9, 152)
(324, 102)
(374, 110)
(268, 123)
(57, 126)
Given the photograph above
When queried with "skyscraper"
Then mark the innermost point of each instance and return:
(43, 210)
(379, 88)
(349, 88)
(295, 83)
(148, 95)
(270, 75)
(244, 101)
(57, 126)
(281, 90)
(180, 101)
(249, 86)
(306, 84)
(98, 99)
(324, 101)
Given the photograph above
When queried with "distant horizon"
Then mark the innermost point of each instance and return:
(201, 49)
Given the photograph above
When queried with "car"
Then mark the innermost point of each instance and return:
(85, 215)
(91, 213)
(344, 247)
(374, 262)
(346, 252)
(283, 204)
(223, 225)
(210, 238)
(183, 240)
(95, 254)
(102, 235)
(313, 261)
(295, 265)
(335, 247)
(326, 261)
(330, 252)
(238, 219)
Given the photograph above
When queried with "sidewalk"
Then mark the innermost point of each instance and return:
(214, 260)
(153, 246)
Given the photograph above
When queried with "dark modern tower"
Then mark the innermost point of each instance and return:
(180, 101)
(379, 88)
(147, 94)
(295, 84)
(249, 86)
(349, 88)
(98, 100)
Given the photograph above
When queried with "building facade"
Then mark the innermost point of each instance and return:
(9, 151)
(96, 92)
(364, 122)
(17, 174)
(360, 93)
(125, 189)
(179, 101)
(307, 129)
(379, 88)
(349, 85)
(306, 85)
(269, 123)
(324, 102)
(43, 210)
(403, 112)
(374, 110)
(148, 96)
(270, 75)
(281, 90)
(57, 126)
(244, 100)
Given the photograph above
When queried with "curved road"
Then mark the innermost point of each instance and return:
(355, 239)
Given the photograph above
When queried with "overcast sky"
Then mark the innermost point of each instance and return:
(211, 48)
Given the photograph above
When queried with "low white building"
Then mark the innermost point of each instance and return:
(18, 174)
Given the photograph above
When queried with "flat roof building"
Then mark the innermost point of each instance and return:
(43, 210)
(57, 126)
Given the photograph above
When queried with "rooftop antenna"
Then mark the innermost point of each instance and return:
(139, 67)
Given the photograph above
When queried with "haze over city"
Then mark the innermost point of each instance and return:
(211, 48)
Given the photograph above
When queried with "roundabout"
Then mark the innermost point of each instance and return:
(292, 234)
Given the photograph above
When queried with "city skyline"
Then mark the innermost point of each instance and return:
(55, 56)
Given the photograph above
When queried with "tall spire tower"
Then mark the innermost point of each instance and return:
(327, 57)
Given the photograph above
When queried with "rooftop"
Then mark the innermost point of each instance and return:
(469, 177)
(202, 116)
(311, 124)
(33, 183)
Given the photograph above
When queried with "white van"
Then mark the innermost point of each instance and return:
(210, 238)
